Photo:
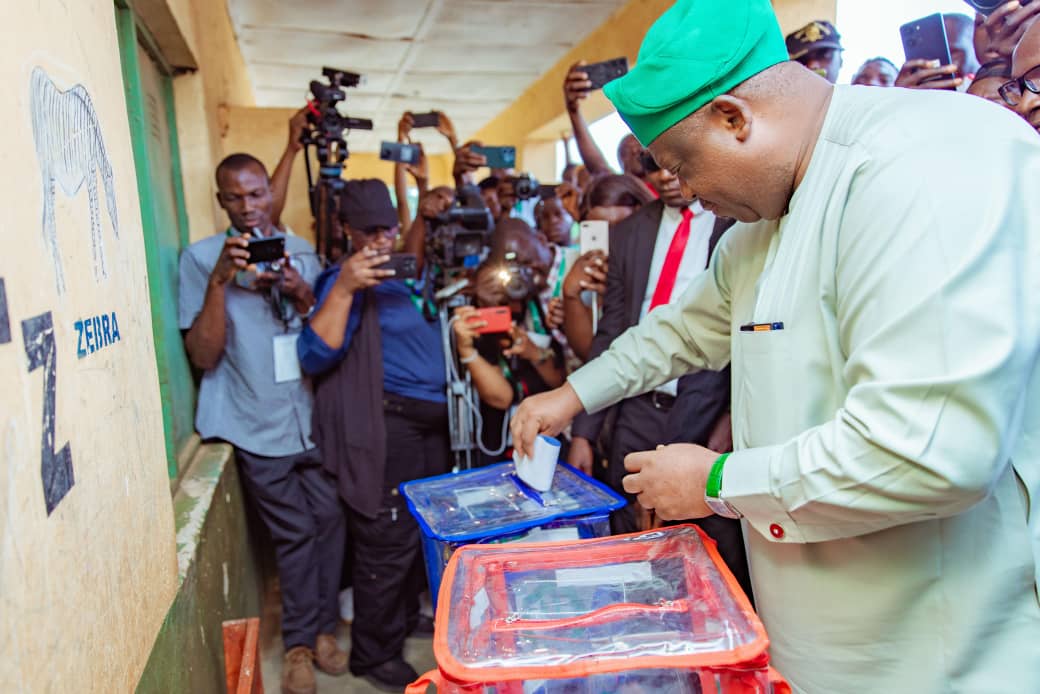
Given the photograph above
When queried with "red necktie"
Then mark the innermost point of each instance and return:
(666, 283)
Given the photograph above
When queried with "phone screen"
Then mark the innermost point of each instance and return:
(266, 250)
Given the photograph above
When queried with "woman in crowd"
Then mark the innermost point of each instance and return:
(380, 418)
(611, 199)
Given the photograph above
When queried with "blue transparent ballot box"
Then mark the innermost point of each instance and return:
(492, 505)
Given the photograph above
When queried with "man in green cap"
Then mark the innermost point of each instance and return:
(884, 341)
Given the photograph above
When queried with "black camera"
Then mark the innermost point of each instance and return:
(517, 280)
(525, 187)
(459, 236)
(325, 135)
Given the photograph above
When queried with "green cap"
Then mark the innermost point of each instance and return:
(696, 51)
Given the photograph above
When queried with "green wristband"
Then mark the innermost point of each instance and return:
(713, 487)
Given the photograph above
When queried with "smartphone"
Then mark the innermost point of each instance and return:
(266, 250)
(547, 191)
(607, 71)
(426, 120)
(925, 39)
(595, 236)
(396, 151)
(499, 319)
(404, 265)
(498, 157)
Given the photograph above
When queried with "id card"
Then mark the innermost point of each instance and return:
(286, 363)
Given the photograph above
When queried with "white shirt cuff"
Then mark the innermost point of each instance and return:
(746, 483)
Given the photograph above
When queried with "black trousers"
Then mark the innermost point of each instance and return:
(640, 426)
(388, 566)
(297, 501)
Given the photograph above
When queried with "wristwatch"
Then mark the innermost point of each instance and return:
(713, 491)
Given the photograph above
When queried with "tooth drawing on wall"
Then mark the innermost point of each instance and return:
(71, 152)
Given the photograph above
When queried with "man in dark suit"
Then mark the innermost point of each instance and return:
(653, 256)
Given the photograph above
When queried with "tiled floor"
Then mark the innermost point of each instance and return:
(418, 652)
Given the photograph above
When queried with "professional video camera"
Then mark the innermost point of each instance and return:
(459, 237)
(326, 136)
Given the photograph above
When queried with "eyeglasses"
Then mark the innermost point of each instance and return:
(373, 232)
(1011, 92)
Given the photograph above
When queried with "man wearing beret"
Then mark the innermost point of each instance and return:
(884, 342)
(817, 46)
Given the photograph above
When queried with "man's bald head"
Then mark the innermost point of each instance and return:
(743, 152)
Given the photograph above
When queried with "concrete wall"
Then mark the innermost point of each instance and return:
(87, 558)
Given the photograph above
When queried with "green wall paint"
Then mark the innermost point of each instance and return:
(221, 578)
(153, 131)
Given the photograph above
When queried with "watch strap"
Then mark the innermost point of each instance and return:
(713, 491)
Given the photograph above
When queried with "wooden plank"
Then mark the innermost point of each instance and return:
(234, 641)
(249, 679)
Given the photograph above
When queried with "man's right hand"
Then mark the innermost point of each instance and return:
(360, 271)
(928, 74)
(576, 86)
(582, 456)
(546, 413)
(233, 258)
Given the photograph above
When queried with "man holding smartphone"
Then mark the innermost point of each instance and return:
(885, 351)
(240, 324)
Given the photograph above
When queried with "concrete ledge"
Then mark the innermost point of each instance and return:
(220, 576)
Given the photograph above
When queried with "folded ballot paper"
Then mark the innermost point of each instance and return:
(537, 470)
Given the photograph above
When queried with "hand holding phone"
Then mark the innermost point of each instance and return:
(928, 61)
(599, 74)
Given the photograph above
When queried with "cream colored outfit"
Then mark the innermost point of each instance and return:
(888, 437)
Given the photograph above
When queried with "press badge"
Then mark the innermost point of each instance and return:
(286, 363)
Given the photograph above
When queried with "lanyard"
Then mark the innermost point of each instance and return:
(534, 311)
(418, 300)
(561, 274)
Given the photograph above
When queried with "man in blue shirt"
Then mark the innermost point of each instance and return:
(240, 324)
(381, 413)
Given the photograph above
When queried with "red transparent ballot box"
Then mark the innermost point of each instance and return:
(648, 612)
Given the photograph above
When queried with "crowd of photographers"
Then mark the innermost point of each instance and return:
(330, 373)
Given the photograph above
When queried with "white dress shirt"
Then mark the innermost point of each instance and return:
(694, 259)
